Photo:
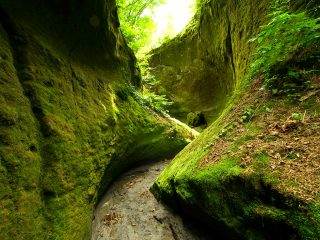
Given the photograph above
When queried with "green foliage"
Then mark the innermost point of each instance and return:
(297, 116)
(133, 9)
(284, 50)
(159, 103)
(139, 34)
(149, 81)
(136, 26)
(247, 115)
(149, 96)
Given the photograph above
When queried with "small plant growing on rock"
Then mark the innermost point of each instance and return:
(247, 115)
(297, 116)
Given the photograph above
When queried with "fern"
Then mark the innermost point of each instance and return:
(279, 41)
(149, 96)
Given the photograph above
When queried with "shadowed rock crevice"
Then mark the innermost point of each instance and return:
(229, 49)
(19, 46)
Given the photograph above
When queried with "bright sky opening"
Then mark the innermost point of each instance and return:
(171, 18)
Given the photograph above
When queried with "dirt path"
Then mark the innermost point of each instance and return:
(129, 211)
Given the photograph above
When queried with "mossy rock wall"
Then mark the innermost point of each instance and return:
(69, 122)
(200, 68)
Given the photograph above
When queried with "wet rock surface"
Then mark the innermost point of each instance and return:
(130, 211)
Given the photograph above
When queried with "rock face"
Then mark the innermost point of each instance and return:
(200, 68)
(69, 119)
(238, 176)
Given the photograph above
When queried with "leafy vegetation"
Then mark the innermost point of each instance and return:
(146, 24)
(287, 50)
(158, 103)
(247, 115)
(136, 26)
(148, 97)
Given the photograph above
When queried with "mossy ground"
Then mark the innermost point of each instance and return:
(255, 177)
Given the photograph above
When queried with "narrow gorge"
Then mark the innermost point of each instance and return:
(73, 119)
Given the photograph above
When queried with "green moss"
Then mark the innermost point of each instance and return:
(225, 168)
(260, 160)
(238, 201)
(8, 116)
(68, 121)
(240, 141)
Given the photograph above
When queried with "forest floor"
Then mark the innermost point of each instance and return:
(279, 138)
(129, 211)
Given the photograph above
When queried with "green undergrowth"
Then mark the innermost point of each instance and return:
(151, 96)
(287, 50)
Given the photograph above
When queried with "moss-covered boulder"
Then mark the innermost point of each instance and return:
(69, 118)
(196, 119)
